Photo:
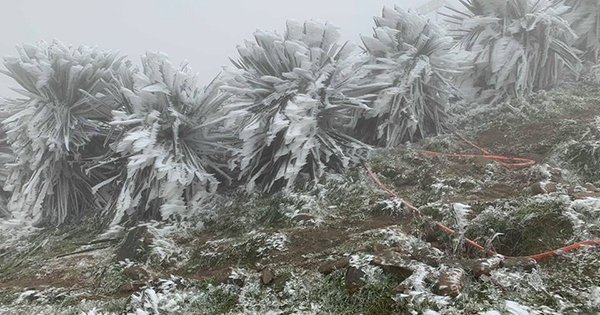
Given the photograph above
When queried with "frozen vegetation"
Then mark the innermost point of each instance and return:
(132, 190)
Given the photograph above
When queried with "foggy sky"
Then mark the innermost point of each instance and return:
(204, 32)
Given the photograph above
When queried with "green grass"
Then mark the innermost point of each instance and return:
(527, 228)
(372, 299)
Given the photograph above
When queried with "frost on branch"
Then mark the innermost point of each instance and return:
(408, 56)
(293, 95)
(54, 129)
(168, 146)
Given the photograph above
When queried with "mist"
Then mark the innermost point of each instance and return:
(205, 33)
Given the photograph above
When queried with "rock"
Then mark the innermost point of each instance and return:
(303, 217)
(542, 188)
(267, 276)
(485, 266)
(332, 266)
(394, 263)
(524, 263)
(550, 187)
(129, 287)
(590, 187)
(451, 282)
(353, 279)
(377, 248)
(228, 276)
(136, 246)
(136, 273)
(426, 256)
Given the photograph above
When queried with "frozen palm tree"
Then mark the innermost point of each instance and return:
(584, 18)
(293, 95)
(408, 56)
(518, 45)
(55, 129)
(167, 147)
(6, 158)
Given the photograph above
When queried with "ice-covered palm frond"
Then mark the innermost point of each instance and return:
(517, 46)
(6, 158)
(293, 94)
(55, 128)
(584, 18)
(167, 141)
(408, 56)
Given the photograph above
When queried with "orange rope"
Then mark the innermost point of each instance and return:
(417, 211)
(522, 162)
(516, 162)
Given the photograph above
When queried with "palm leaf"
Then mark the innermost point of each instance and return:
(55, 129)
(291, 99)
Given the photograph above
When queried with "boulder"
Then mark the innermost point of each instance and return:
(394, 263)
(427, 255)
(542, 188)
(550, 187)
(451, 282)
(130, 287)
(486, 265)
(267, 276)
(353, 279)
(331, 266)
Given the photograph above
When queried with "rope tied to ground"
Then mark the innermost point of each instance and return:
(520, 162)
(515, 162)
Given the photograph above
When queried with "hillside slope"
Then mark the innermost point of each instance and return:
(343, 246)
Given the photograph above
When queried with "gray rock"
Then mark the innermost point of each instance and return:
(451, 282)
(331, 266)
(267, 276)
(485, 266)
(353, 279)
(394, 263)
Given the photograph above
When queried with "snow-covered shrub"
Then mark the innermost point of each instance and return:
(292, 96)
(584, 18)
(408, 57)
(55, 129)
(167, 144)
(517, 46)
